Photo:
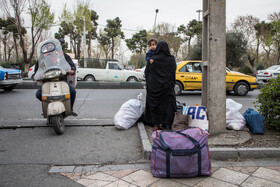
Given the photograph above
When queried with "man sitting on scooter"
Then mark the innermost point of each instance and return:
(71, 72)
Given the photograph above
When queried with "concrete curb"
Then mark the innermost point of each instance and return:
(146, 145)
(28, 84)
(223, 153)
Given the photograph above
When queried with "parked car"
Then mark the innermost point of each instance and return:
(189, 77)
(142, 70)
(112, 72)
(271, 72)
(31, 72)
(9, 78)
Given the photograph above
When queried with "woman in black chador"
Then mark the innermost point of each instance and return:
(160, 82)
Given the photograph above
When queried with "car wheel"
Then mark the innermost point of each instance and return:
(178, 88)
(89, 78)
(9, 88)
(132, 79)
(241, 89)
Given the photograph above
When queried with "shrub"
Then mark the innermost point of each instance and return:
(260, 66)
(246, 70)
(268, 103)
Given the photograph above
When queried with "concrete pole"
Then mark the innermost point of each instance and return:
(198, 11)
(84, 42)
(214, 64)
(155, 25)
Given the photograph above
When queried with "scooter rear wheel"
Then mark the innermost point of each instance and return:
(58, 124)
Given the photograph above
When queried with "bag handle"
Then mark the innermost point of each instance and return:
(179, 132)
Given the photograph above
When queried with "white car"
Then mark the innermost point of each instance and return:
(112, 72)
(31, 72)
(271, 72)
(142, 70)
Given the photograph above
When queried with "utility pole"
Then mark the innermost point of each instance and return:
(199, 11)
(155, 26)
(84, 42)
(214, 64)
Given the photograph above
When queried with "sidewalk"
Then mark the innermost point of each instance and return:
(249, 173)
(262, 170)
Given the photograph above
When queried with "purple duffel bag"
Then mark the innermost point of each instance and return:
(182, 153)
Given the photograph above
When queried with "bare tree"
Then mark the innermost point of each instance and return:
(275, 16)
(41, 19)
(246, 25)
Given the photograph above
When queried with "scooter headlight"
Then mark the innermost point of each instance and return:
(53, 74)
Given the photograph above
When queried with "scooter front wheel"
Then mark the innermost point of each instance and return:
(58, 124)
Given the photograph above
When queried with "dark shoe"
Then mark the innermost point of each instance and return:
(74, 114)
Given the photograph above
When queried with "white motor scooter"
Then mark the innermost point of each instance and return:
(55, 92)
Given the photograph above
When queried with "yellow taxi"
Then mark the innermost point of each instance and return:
(189, 77)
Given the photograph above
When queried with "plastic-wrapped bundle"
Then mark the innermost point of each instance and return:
(129, 113)
(234, 120)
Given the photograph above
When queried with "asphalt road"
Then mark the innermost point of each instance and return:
(28, 147)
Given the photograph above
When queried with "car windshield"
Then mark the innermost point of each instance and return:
(273, 67)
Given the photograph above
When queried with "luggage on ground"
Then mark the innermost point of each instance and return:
(180, 121)
(129, 113)
(234, 119)
(180, 153)
(197, 117)
(254, 121)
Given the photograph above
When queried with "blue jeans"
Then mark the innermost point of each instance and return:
(72, 95)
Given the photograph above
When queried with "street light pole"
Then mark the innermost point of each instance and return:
(157, 10)
(198, 11)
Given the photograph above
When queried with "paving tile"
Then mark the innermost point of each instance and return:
(78, 169)
(137, 177)
(61, 169)
(268, 174)
(230, 176)
(245, 170)
(119, 173)
(166, 183)
(72, 176)
(189, 181)
(85, 182)
(89, 168)
(120, 183)
(213, 169)
(257, 182)
(212, 182)
(276, 168)
(101, 179)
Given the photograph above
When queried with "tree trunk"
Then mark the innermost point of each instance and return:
(9, 53)
(89, 44)
(79, 48)
(15, 41)
(278, 55)
(257, 58)
(5, 49)
(113, 45)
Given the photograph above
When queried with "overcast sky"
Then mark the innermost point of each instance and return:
(140, 14)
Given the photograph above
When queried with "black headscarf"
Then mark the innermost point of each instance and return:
(160, 80)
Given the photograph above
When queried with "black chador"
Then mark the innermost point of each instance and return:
(160, 82)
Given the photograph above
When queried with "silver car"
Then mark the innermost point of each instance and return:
(271, 72)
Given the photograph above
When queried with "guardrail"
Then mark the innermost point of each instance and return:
(29, 84)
